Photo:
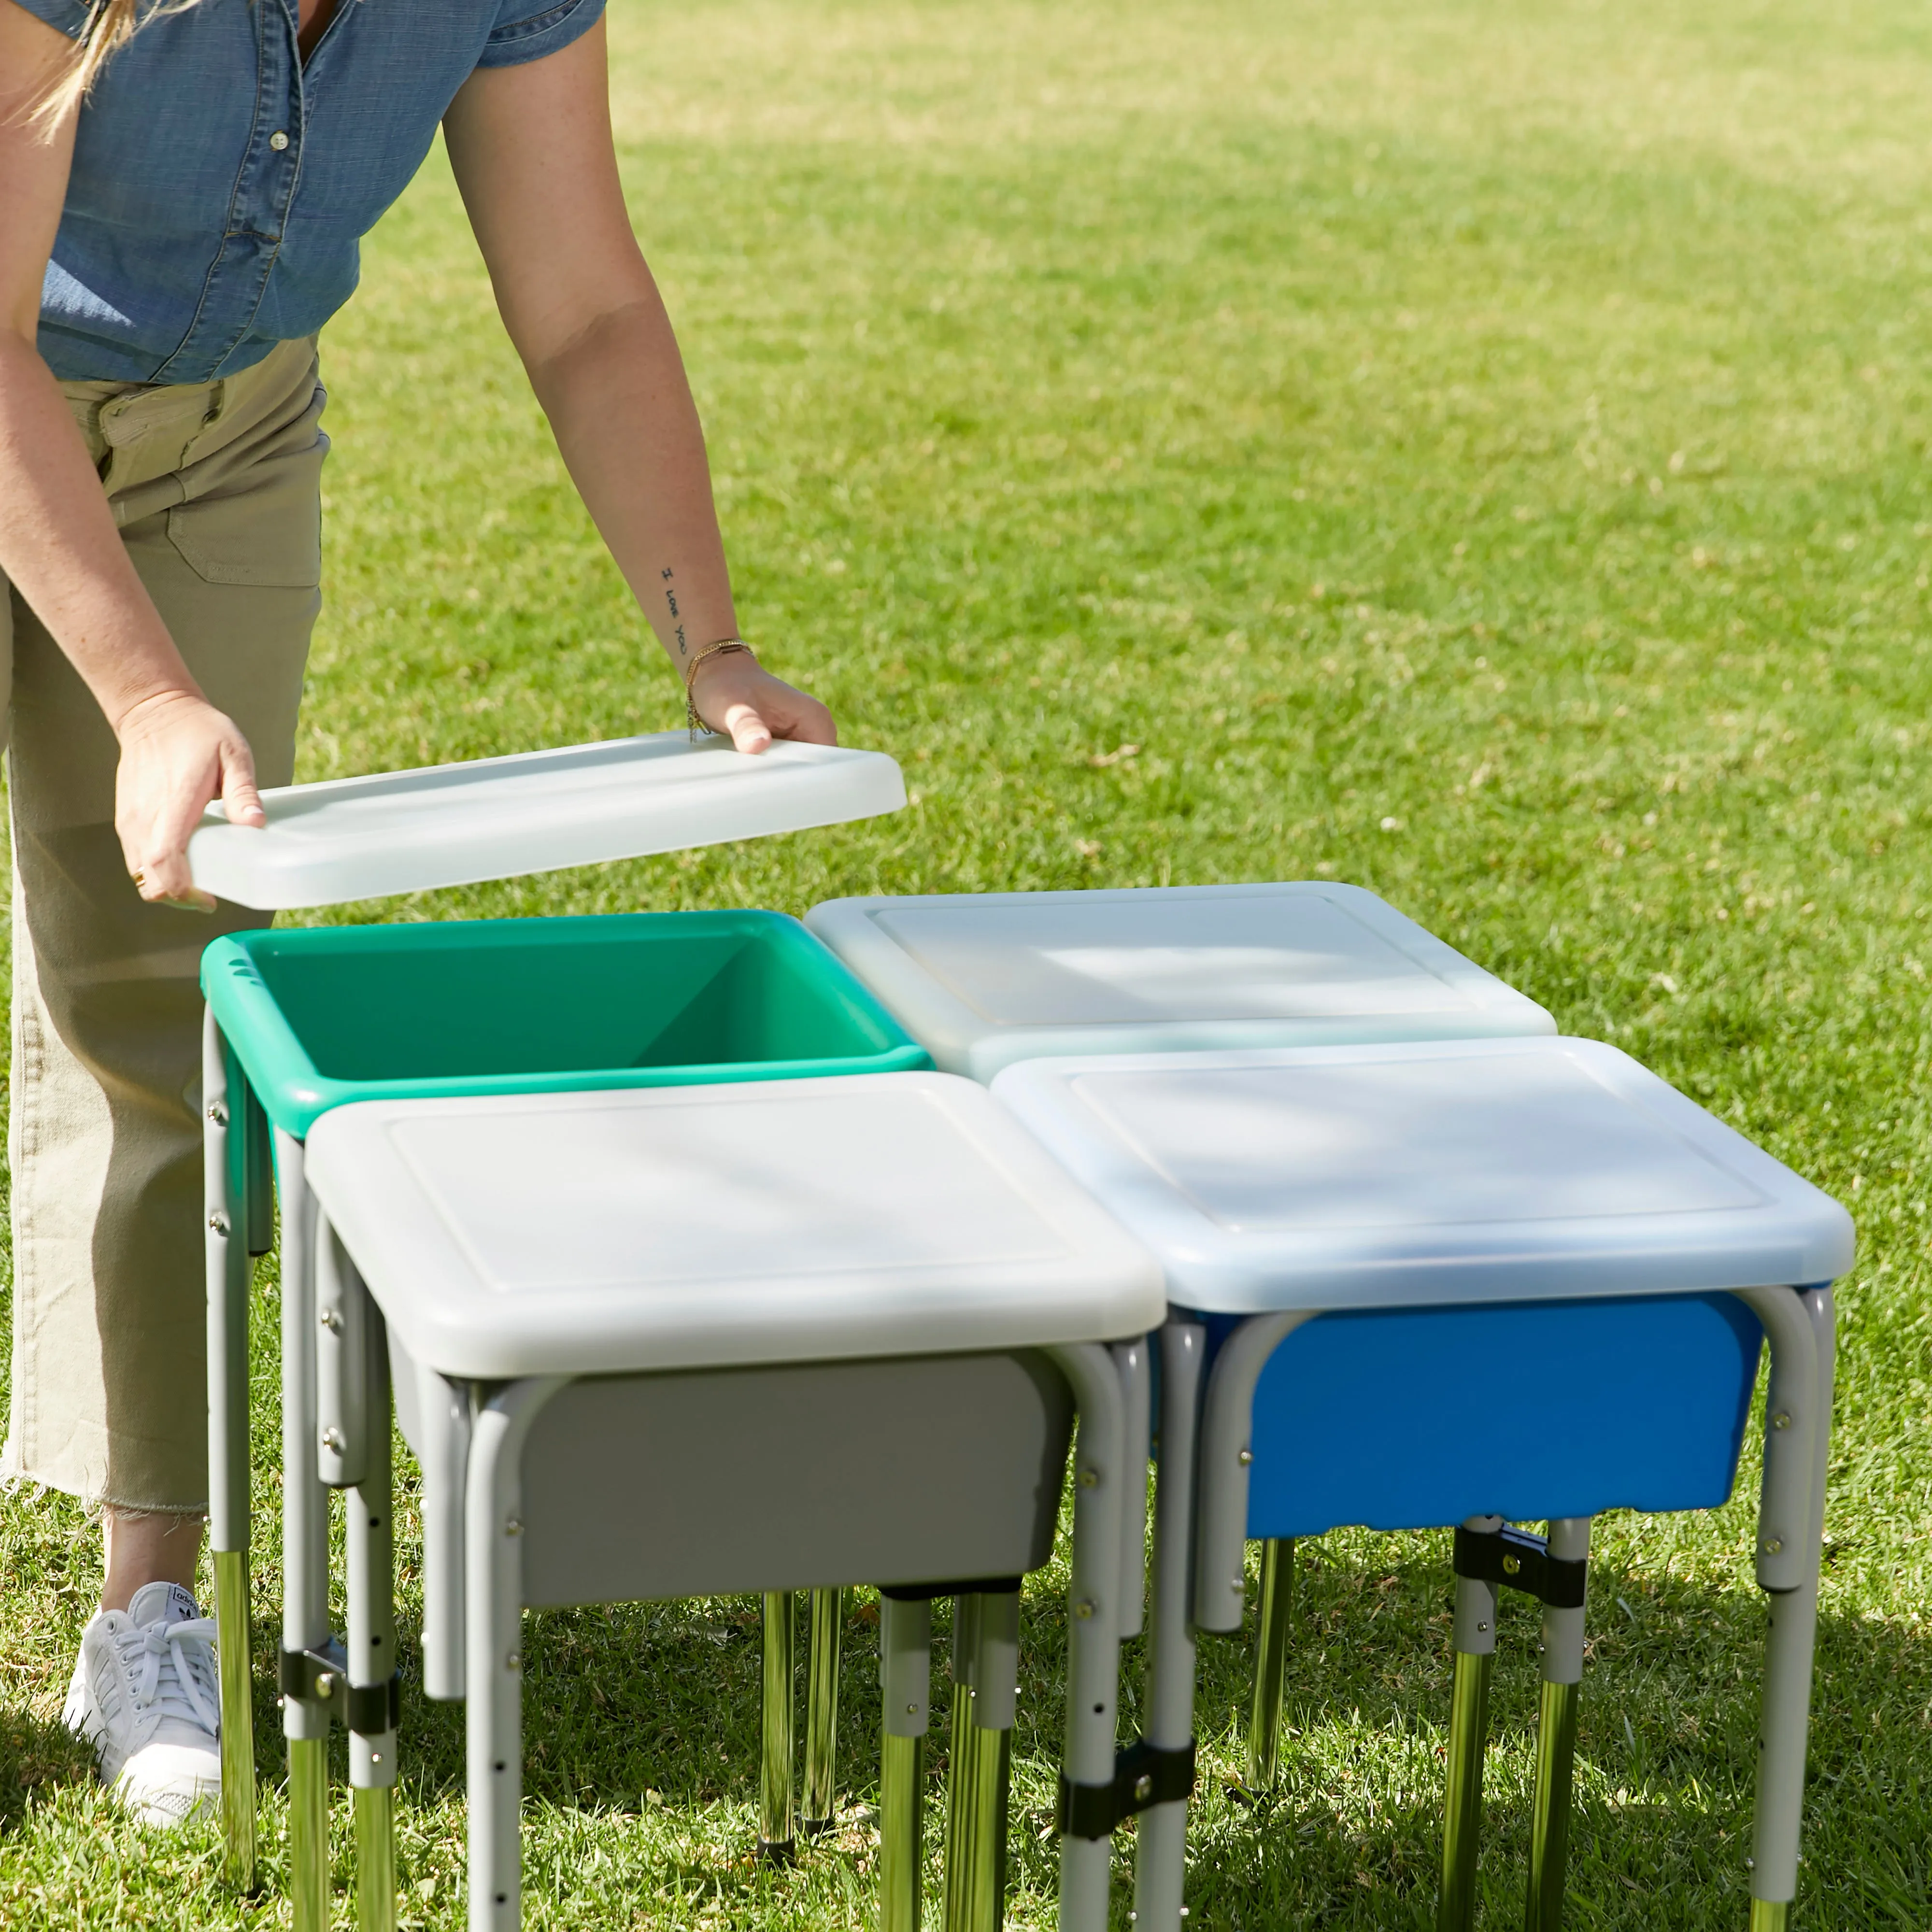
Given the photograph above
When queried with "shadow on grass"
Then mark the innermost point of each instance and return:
(37, 1755)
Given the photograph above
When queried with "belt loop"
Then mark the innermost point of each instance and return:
(217, 392)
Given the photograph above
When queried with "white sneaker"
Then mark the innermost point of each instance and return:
(145, 1695)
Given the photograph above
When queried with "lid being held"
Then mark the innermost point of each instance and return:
(536, 811)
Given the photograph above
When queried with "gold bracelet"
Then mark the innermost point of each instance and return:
(725, 647)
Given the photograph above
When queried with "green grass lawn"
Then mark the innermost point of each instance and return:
(1479, 451)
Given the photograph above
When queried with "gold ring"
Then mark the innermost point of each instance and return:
(139, 875)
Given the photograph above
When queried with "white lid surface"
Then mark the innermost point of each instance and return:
(1390, 1176)
(982, 980)
(677, 1227)
(496, 818)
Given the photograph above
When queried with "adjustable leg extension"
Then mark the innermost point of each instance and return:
(905, 1682)
(1277, 1597)
(1491, 1557)
(821, 1713)
(984, 1687)
(1556, 1728)
(777, 1837)
(1475, 1642)
(371, 1704)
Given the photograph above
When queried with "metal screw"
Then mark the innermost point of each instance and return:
(1143, 1787)
(375, 1757)
(324, 1684)
(1247, 1456)
(1773, 1545)
(1084, 1609)
(515, 1661)
(218, 1223)
(217, 1113)
(1511, 1564)
(1781, 1420)
(1090, 1479)
(330, 1321)
(513, 1527)
(1482, 1626)
(912, 1710)
(331, 1441)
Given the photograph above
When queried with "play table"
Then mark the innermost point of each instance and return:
(692, 1340)
(982, 980)
(1475, 1283)
(301, 1022)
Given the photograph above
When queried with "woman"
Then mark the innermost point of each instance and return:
(181, 197)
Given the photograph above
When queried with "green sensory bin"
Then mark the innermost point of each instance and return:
(307, 1020)
(323, 1016)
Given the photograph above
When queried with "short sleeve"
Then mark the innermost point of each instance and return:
(69, 16)
(519, 34)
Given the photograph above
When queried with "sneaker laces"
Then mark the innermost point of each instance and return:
(168, 1676)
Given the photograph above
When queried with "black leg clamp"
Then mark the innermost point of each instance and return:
(318, 1676)
(1144, 1774)
(374, 1709)
(1087, 1810)
(1515, 1560)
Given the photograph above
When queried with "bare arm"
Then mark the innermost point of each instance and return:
(58, 541)
(532, 151)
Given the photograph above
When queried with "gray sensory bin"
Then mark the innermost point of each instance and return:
(845, 1325)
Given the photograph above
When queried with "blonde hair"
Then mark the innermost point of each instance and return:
(110, 25)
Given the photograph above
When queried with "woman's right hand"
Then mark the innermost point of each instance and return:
(178, 754)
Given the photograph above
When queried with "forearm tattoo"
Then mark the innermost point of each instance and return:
(677, 629)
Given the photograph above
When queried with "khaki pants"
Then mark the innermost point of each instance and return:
(216, 488)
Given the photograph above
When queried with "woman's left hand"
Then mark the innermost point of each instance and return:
(734, 694)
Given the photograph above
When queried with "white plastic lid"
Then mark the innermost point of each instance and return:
(681, 1227)
(982, 980)
(1461, 1171)
(496, 818)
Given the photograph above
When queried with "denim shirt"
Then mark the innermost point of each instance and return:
(221, 190)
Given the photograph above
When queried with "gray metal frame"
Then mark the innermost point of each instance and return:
(1200, 1557)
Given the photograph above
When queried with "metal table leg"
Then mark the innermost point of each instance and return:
(1160, 1844)
(373, 1681)
(1093, 1662)
(1277, 1609)
(819, 1811)
(1475, 1642)
(493, 1648)
(305, 1631)
(1790, 1540)
(226, 1191)
(905, 1682)
(1556, 1738)
(777, 1836)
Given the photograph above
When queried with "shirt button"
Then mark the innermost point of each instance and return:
(278, 140)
